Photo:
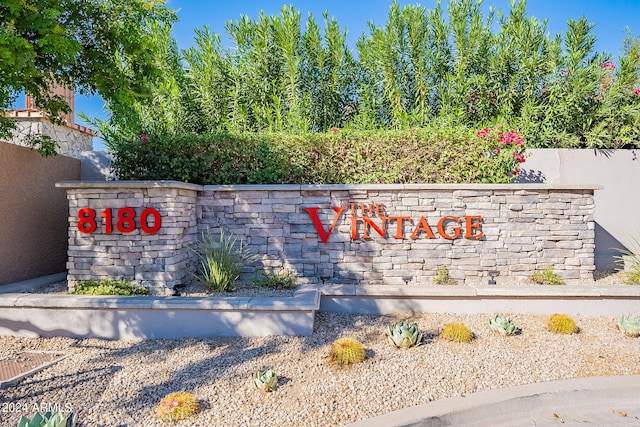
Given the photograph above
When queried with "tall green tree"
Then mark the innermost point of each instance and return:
(91, 45)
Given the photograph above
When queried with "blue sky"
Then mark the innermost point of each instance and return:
(611, 18)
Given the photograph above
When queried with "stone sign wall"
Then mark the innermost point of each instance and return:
(337, 234)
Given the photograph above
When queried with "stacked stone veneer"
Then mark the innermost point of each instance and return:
(526, 227)
(72, 141)
(157, 261)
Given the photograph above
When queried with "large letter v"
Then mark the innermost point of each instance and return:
(313, 213)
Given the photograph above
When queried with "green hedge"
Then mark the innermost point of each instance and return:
(425, 155)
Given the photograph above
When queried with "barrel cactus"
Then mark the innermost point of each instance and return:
(404, 335)
(456, 332)
(178, 406)
(630, 325)
(265, 380)
(503, 325)
(561, 324)
(347, 351)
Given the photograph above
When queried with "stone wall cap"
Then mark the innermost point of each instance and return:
(449, 187)
(114, 185)
(307, 300)
(483, 291)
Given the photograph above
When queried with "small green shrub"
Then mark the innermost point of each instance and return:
(456, 332)
(561, 324)
(442, 277)
(347, 351)
(276, 281)
(50, 419)
(109, 287)
(220, 262)
(546, 277)
(178, 406)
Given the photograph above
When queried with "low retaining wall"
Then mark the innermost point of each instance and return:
(333, 234)
(86, 316)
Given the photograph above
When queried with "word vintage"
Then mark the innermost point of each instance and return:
(448, 227)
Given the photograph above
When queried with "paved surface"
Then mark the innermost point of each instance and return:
(595, 401)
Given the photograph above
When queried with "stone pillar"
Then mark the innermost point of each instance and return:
(132, 250)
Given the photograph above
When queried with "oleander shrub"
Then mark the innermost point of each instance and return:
(450, 67)
(562, 324)
(109, 287)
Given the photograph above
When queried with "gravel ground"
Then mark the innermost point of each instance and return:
(119, 383)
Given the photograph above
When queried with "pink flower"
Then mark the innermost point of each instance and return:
(609, 65)
(497, 150)
(519, 157)
(483, 133)
(511, 137)
(334, 130)
(636, 92)
(143, 138)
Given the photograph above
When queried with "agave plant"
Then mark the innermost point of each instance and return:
(404, 335)
(630, 325)
(50, 419)
(503, 325)
(265, 380)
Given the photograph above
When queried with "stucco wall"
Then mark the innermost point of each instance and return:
(617, 203)
(382, 234)
(34, 213)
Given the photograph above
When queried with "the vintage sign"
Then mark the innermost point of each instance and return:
(125, 220)
(448, 227)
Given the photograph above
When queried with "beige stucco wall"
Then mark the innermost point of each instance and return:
(33, 212)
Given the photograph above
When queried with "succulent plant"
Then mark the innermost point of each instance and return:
(347, 351)
(50, 419)
(178, 406)
(265, 380)
(404, 335)
(630, 325)
(546, 277)
(457, 332)
(503, 325)
(561, 324)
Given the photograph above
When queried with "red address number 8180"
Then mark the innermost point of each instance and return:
(125, 223)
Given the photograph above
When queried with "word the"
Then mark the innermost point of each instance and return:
(125, 220)
(448, 227)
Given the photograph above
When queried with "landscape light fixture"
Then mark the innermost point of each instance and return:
(325, 277)
(493, 274)
(407, 280)
(177, 289)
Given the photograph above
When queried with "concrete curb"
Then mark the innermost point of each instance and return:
(601, 401)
